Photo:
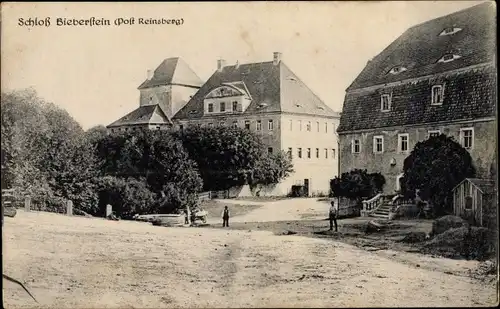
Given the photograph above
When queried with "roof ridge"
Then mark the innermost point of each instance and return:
(484, 3)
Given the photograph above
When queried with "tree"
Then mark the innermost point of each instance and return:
(271, 169)
(228, 157)
(434, 167)
(357, 184)
(156, 158)
(44, 153)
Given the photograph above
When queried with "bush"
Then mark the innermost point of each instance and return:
(357, 184)
(445, 223)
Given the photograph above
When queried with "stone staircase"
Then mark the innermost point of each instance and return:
(382, 211)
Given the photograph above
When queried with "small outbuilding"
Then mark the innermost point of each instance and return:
(475, 199)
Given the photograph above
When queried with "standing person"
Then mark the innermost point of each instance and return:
(333, 213)
(225, 217)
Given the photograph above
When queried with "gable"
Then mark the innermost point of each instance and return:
(143, 115)
(296, 97)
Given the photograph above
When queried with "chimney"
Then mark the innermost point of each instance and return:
(237, 64)
(150, 74)
(276, 58)
(221, 63)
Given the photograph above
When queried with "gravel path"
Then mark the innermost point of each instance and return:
(94, 263)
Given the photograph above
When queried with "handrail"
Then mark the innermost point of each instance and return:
(371, 205)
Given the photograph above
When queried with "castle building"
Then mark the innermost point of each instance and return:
(438, 77)
(266, 98)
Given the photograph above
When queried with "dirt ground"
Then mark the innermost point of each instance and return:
(93, 263)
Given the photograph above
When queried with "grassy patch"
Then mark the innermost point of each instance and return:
(215, 208)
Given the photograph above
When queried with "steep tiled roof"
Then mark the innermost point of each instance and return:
(272, 87)
(142, 115)
(420, 47)
(467, 95)
(172, 71)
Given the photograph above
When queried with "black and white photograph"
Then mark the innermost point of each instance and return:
(253, 154)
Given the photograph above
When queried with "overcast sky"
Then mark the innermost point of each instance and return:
(94, 73)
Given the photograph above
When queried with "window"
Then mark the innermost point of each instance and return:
(210, 108)
(291, 124)
(210, 125)
(222, 106)
(235, 106)
(259, 125)
(433, 133)
(326, 127)
(450, 31)
(356, 146)
(270, 150)
(308, 153)
(289, 152)
(235, 124)
(437, 95)
(300, 125)
(334, 130)
(467, 138)
(333, 153)
(222, 123)
(326, 153)
(308, 126)
(181, 127)
(385, 102)
(468, 202)
(158, 127)
(403, 142)
(378, 144)
(449, 58)
(299, 152)
(270, 125)
(247, 124)
(317, 152)
(397, 69)
(317, 126)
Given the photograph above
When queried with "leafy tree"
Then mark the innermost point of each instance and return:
(271, 169)
(357, 184)
(228, 157)
(157, 158)
(434, 167)
(44, 153)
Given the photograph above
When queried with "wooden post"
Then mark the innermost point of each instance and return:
(69, 207)
(27, 203)
(109, 210)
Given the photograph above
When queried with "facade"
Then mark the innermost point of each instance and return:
(164, 92)
(270, 100)
(437, 77)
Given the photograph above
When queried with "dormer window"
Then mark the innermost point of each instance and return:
(397, 69)
(448, 58)
(450, 31)
(385, 103)
(437, 95)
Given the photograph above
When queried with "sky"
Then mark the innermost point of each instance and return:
(94, 72)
